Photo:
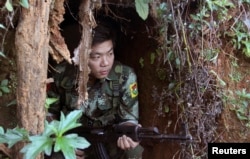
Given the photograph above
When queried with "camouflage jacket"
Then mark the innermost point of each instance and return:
(113, 99)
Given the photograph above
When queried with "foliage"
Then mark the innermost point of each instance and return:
(53, 138)
(240, 37)
(2, 54)
(2, 27)
(4, 87)
(50, 101)
(141, 61)
(193, 36)
(221, 8)
(142, 8)
(9, 4)
(12, 136)
(235, 75)
(24, 3)
(240, 105)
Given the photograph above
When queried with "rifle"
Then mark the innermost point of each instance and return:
(98, 136)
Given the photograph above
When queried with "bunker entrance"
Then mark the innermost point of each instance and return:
(136, 38)
(136, 42)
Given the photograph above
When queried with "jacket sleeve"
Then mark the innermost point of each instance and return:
(129, 107)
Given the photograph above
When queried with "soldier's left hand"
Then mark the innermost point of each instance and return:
(79, 154)
(126, 143)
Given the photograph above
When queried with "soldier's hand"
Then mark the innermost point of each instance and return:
(79, 154)
(126, 143)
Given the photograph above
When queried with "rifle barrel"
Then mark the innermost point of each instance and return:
(164, 137)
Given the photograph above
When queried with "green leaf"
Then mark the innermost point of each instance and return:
(2, 136)
(166, 109)
(24, 3)
(2, 26)
(241, 117)
(9, 6)
(247, 48)
(1, 130)
(247, 95)
(50, 101)
(142, 8)
(50, 128)
(15, 135)
(218, 78)
(2, 54)
(77, 142)
(178, 62)
(13, 102)
(62, 144)
(5, 89)
(69, 122)
(2, 139)
(171, 85)
(141, 61)
(38, 144)
(4, 82)
(68, 143)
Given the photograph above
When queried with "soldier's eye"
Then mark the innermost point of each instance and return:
(94, 56)
(110, 53)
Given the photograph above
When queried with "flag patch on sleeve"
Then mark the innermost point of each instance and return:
(133, 90)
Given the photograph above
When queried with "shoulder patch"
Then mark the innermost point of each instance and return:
(133, 90)
(118, 69)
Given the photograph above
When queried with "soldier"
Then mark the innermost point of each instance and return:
(112, 94)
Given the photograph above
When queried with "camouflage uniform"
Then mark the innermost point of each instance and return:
(110, 101)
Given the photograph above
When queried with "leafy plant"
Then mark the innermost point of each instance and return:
(240, 105)
(221, 7)
(200, 19)
(240, 37)
(244, 1)
(53, 138)
(235, 74)
(4, 87)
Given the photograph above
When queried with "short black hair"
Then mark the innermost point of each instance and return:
(106, 29)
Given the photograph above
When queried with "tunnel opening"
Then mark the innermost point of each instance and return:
(137, 42)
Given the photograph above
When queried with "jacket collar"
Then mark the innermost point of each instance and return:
(115, 72)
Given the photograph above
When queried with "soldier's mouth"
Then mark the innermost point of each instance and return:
(104, 73)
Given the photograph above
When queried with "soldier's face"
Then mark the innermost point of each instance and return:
(101, 59)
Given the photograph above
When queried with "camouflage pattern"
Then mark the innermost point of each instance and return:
(106, 103)
(113, 99)
(110, 100)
